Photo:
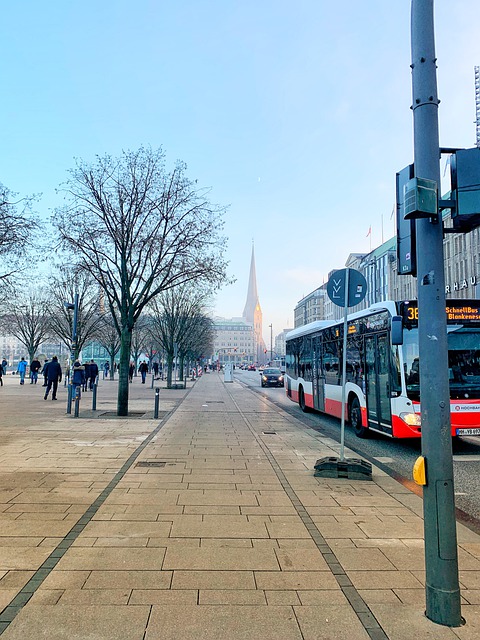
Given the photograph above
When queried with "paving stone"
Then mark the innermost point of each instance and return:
(220, 559)
(100, 558)
(331, 621)
(232, 596)
(73, 622)
(297, 580)
(164, 597)
(213, 580)
(129, 579)
(222, 621)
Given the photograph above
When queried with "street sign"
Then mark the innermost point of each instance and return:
(357, 287)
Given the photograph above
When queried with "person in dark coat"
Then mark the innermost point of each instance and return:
(143, 370)
(35, 367)
(44, 372)
(87, 376)
(54, 376)
(131, 371)
(155, 369)
(78, 378)
(93, 373)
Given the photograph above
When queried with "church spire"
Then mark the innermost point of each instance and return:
(252, 293)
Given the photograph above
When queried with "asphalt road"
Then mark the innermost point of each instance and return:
(396, 457)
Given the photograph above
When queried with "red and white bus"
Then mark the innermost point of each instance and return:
(382, 380)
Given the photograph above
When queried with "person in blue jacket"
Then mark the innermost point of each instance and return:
(22, 369)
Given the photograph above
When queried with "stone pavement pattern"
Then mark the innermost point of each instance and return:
(216, 529)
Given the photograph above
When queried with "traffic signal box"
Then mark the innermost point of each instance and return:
(418, 198)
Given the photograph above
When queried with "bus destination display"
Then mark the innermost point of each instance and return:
(457, 311)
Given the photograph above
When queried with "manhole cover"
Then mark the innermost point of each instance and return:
(113, 414)
(150, 463)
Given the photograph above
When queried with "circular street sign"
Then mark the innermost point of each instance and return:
(357, 287)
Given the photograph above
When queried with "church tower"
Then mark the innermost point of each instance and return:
(252, 312)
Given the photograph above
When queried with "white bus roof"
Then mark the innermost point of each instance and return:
(312, 327)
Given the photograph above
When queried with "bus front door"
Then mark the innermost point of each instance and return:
(318, 383)
(377, 382)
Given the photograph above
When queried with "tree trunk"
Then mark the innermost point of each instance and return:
(169, 372)
(122, 398)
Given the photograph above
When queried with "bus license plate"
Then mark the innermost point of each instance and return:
(468, 432)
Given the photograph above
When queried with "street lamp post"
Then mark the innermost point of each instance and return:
(271, 343)
(72, 305)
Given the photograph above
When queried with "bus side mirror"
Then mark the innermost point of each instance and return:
(397, 330)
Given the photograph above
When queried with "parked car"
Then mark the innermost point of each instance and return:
(251, 367)
(272, 377)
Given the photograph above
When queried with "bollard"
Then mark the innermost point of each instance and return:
(77, 401)
(94, 397)
(69, 399)
(157, 402)
(153, 378)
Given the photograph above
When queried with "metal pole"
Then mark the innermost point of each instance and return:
(153, 377)
(94, 397)
(157, 402)
(441, 560)
(344, 366)
(69, 398)
(77, 401)
(271, 343)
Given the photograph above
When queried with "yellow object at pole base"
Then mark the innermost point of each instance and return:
(420, 471)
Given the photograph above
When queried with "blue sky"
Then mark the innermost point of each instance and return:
(296, 114)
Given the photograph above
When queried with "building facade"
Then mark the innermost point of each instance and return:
(234, 341)
(379, 267)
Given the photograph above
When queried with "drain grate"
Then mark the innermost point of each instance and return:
(269, 433)
(214, 402)
(150, 463)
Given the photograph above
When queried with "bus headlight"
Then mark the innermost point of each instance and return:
(412, 419)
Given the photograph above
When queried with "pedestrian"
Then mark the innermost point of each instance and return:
(22, 369)
(35, 367)
(143, 370)
(131, 371)
(4, 366)
(78, 378)
(93, 373)
(106, 369)
(86, 376)
(44, 371)
(155, 369)
(54, 376)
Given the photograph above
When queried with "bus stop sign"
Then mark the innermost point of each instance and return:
(357, 287)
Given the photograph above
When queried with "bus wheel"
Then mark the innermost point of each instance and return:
(355, 415)
(301, 400)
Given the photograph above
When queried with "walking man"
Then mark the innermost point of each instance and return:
(143, 370)
(4, 366)
(54, 376)
(22, 369)
(35, 367)
(93, 373)
(86, 376)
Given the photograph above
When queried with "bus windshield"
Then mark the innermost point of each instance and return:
(463, 362)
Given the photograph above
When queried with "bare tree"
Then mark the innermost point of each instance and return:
(178, 314)
(140, 338)
(28, 320)
(17, 228)
(109, 338)
(65, 284)
(140, 230)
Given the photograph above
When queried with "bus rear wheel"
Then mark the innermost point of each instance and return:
(355, 417)
(301, 400)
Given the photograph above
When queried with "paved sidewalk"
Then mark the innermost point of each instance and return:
(204, 524)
